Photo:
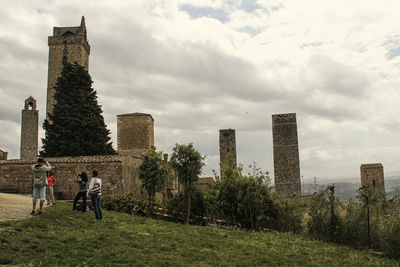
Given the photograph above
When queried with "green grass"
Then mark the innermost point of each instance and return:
(59, 237)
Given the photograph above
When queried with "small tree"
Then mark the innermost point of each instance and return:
(152, 173)
(76, 127)
(187, 162)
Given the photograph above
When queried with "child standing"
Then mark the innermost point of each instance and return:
(51, 181)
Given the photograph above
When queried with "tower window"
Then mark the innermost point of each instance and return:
(30, 106)
(373, 183)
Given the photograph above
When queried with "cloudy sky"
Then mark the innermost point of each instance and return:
(200, 66)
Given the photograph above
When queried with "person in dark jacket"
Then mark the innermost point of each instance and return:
(81, 179)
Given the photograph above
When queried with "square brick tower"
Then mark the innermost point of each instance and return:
(286, 154)
(372, 176)
(135, 131)
(227, 145)
(29, 130)
(67, 43)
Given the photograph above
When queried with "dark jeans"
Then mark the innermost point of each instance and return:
(78, 196)
(96, 206)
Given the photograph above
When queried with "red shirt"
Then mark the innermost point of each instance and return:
(51, 180)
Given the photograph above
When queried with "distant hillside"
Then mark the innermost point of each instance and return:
(346, 190)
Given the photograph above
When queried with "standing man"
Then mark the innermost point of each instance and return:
(51, 181)
(39, 183)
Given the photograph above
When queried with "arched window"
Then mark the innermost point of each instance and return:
(68, 33)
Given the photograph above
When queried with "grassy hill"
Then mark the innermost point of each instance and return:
(60, 237)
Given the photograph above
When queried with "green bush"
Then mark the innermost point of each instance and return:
(176, 207)
(390, 239)
(323, 223)
(290, 215)
(355, 225)
(128, 204)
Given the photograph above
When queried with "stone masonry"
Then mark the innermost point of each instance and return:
(3, 155)
(135, 132)
(227, 145)
(29, 130)
(119, 174)
(286, 154)
(69, 43)
(372, 176)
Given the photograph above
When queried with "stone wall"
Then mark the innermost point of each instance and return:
(372, 176)
(118, 173)
(3, 155)
(227, 145)
(29, 130)
(135, 131)
(286, 154)
(72, 43)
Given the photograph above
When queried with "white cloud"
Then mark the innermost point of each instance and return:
(200, 66)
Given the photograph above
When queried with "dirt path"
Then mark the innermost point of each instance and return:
(14, 206)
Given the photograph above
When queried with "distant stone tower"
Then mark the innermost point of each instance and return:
(372, 176)
(29, 130)
(135, 131)
(69, 43)
(286, 154)
(227, 145)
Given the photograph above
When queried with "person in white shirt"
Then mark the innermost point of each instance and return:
(39, 183)
(94, 191)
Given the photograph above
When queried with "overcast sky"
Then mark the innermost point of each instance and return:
(200, 66)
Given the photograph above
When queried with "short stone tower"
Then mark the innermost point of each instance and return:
(372, 176)
(135, 131)
(69, 43)
(286, 154)
(29, 130)
(227, 145)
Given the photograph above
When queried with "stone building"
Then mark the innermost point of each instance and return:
(135, 132)
(372, 176)
(119, 174)
(3, 155)
(227, 145)
(67, 43)
(286, 154)
(29, 130)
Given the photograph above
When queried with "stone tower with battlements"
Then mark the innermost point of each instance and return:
(135, 132)
(70, 44)
(227, 145)
(29, 130)
(286, 154)
(372, 176)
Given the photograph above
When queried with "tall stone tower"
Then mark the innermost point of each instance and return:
(135, 131)
(286, 154)
(227, 145)
(372, 176)
(67, 43)
(29, 130)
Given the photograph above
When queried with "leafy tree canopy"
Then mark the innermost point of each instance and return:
(187, 162)
(153, 173)
(76, 127)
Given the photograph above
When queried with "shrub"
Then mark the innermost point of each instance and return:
(290, 215)
(390, 239)
(128, 204)
(176, 207)
(324, 223)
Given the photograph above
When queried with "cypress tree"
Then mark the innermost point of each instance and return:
(76, 127)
